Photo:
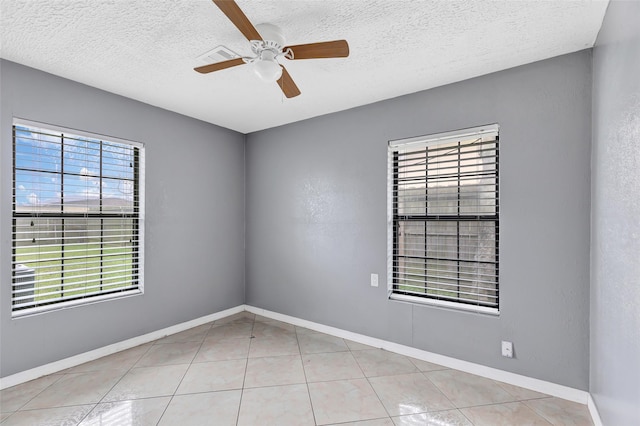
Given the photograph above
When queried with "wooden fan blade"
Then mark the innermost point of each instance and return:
(239, 19)
(205, 69)
(327, 49)
(287, 85)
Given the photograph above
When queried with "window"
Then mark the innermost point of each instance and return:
(78, 214)
(444, 219)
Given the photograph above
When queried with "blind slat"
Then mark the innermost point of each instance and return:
(444, 199)
(438, 285)
(77, 210)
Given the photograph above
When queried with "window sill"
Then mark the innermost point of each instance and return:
(23, 313)
(444, 304)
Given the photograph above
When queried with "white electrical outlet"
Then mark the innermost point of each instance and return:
(507, 349)
(374, 280)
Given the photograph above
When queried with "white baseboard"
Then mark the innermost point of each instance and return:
(63, 364)
(593, 411)
(537, 385)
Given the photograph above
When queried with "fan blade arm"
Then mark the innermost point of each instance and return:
(287, 85)
(205, 69)
(231, 9)
(326, 49)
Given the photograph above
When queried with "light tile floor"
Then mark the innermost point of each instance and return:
(249, 370)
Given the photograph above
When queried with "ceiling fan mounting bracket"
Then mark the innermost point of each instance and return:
(258, 47)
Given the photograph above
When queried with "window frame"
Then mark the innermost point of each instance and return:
(137, 217)
(433, 140)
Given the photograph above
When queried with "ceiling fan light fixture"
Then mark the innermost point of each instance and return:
(267, 68)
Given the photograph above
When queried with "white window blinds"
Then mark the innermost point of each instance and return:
(444, 219)
(77, 218)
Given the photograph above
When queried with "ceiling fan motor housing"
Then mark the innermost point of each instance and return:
(272, 44)
(271, 34)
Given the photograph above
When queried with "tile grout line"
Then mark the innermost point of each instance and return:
(424, 373)
(419, 372)
(306, 381)
(185, 373)
(33, 397)
(109, 390)
(537, 412)
(455, 407)
(115, 384)
(246, 367)
(370, 385)
(378, 396)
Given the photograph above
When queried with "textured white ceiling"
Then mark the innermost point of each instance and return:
(146, 50)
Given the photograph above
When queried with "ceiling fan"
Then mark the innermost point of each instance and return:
(267, 45)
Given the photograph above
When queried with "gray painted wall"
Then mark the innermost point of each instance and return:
(615, 224)
(316, 219)
(194, 245)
